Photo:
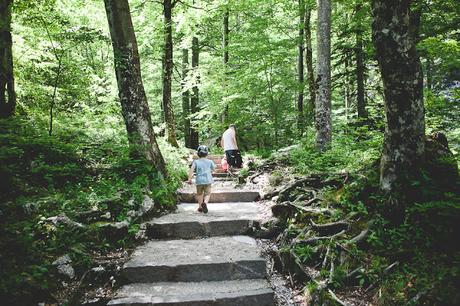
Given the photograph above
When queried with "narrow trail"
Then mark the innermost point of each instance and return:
(201, 259)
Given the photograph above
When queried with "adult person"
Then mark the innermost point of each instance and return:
(228, 142)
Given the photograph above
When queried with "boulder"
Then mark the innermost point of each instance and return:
(64, 267)
(114, 231)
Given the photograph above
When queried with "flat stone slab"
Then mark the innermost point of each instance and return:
(221, 219)
(210, 259)
(221, 175)
(229, 293)
(219, 195)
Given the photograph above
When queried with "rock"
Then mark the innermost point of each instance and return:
(282, 210)
(114, 231)
(64, 220)
(93, 216)
(64, 267)
(146, 207)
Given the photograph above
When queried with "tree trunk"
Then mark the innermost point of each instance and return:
(300, 68)
(135, 108)
(194, 101)
(7, 92)
(53, 98)
(225, 39)
(347, 62)
(167, 75)
(361, 98)
(394, 35)
(309, 62)
(323, 79)
(185, 99)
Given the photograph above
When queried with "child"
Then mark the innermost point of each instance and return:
(224, 163)
(203, 168)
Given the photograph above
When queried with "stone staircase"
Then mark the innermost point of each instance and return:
(200, 259)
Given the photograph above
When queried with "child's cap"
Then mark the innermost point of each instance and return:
(202, 150)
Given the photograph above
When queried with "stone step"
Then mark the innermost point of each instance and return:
(210, 259)
(221, 174)
(220, 195)
(222, 219)
(254, 292)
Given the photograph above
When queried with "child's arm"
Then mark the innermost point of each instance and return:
(190, 173)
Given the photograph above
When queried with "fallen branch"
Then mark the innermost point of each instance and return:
(335, 298)
(320, 285)
(386, 271)
(294, 185)
(315, 239)
(339, 225)
(360, 237)
(311, 209)
(326, 256)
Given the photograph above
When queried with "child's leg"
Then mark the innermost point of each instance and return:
(199, 193)
(207, 193)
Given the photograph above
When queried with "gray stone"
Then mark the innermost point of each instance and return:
(114, 231)
(228, 293)
(146, 207)
(62, 219)
(221, 195)
(222, 219)
(211, 259)
(64, 267)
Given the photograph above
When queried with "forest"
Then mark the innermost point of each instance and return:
(103, 102)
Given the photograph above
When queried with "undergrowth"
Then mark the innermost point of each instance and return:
(72, 172)
(426, 270)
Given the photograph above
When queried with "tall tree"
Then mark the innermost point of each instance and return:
(394, 30)
(323, 79)
(195, 99)
(300, 68)
(167, 74)
(359, 54)
(309, 61)
(225, 39)
(135, 108)
(7, 92)
(185, 98)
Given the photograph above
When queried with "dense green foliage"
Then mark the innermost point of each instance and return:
(75, 173)
(79, 162)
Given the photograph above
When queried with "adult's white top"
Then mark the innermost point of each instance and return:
(229, 140)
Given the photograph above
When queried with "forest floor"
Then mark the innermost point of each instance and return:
(321, 244)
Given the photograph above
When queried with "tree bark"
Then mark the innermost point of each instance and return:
(167, 75)
(309, 62)
(359, 53)
(185, 99)
(323, 79)
(394, 32)
(7, 91)
(195, 99)
(300, 68)
(225, 39)
(135, 109)
(347, 62)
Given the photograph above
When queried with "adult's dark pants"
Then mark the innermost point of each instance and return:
(234, 158)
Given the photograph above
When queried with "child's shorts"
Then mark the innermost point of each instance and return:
(203, 189)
